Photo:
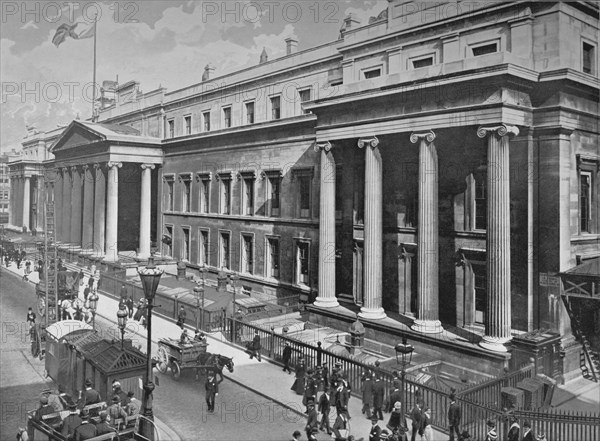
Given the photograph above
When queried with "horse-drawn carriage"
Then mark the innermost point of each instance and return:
(177, 356)
(68, 288)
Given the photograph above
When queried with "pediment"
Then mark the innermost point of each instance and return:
(75, 135)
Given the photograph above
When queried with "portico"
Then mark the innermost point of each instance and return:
(104, 187)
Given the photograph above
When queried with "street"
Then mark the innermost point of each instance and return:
(239, 413)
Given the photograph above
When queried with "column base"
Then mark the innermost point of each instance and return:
(326, 302)
(496, 344)
(372, 313)
(427, 326)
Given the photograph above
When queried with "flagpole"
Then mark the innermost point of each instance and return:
(94, 80)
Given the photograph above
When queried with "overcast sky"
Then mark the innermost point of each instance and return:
(164, 43)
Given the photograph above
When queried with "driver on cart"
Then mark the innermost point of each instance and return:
(185, 338)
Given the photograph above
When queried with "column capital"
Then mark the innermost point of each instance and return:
(150, 166)
(85, 167)
(428, 136)
(99, 165)
(327, 146)
(111, 164)
(500, 130)
(371, 142)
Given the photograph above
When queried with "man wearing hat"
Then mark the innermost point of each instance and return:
(515, 429)
(312, 422)
(123, 398)
(416, 416)
(527, 433)
(116, 413)
(103, 427)
(491, 434)
(71, 422)
(212, 390)
(255, 346)
(310, 387)
(378, 396)
(181, 317)
(86, 430)
(324, 408)
(375, 433)
(90, 395)
(396, 395)
(454, 417)
(397, 422)
(44, 409)
(286, 356)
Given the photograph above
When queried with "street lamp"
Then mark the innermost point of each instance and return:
(235, 279)
(150, 278)
(199, 291)
(404, 351)
(93, 302)
(122, 321)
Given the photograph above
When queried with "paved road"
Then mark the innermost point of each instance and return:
(239, 413)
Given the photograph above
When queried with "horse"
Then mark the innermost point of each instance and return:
(76, 310)
(215, 362)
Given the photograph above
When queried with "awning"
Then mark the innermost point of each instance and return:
(583, 280)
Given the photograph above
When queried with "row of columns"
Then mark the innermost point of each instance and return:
(20, 202)
(87, 208)
(498, 324)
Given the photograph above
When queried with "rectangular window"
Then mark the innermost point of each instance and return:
(188, 124)
(480, 292)
(273, 258)
(585, 201)
(225, 200)
(484, 49)
(247, 253)
(588, 58)
(274, 195)
(226, 117)
(276, 107)
(302, 263)
(372, 73)
(169, 195)
(422, 62)
(224, 250)
(305, 184)
(168, 241)
(248, 196)
(171, 125)
(480, 202)
(206, 121)
(249, 112)
(204, 248)
(205, 196)
(305, 96)
(185, 246)
(187, 195)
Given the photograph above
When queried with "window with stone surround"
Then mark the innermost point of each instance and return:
(169, 195)
(272, 181)
(275, 107)
(185, 243)
(588, 58)
(587, 169)
(247, 179)
(302, 178)
(167, 241)
(302, 262)
(186, 192)
(204, 180)
(484, 48)
(422, 61)
(249, 106)
(479, 291)
(247, 253)
(476, 200)
(227, 117)
(206, 121)
(203, 254)
(224, 192)
(188, 124)
(272, 258)
(171, 128)
(305, 96)
(225, 249)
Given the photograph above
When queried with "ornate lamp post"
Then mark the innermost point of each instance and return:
(93, 302)
(404, 351)
(122, 321)
(150, 277)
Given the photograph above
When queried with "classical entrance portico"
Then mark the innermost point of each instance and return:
(104, 173)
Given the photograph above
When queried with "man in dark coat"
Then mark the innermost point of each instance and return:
(298, 385)
(375, 434)
(310, 387)
(86, 430)
(44, 409)
(395, 396)
(341, 423)
(378, 397)
(454, 416)
(212, 390)
(103, 427)
(324, 408)
(123, 397)
(255, 347)
(416, 417)
(181, 317)
(286, 356)
(514, 431)
(129, 304)
(527, 433)
(71, 422)
(340, 399)
(367, 395)
(312, 421)
(90, 395)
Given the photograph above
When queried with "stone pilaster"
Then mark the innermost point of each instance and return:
(99, 209)
(66, 204)
(76, 206)
(11, 201)
(498, 313)
(372, 308)
(112, 211)
(427, 236)
(145, 216)
(326, 297)
(87, 229)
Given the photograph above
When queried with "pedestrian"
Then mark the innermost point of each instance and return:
(86, 293)
(31, 317)
(375, 433)
(80, 277)
(514, 431)
(325, 408)
(367, 395)
(91, 282)
(129, 305)
(416, 417)
(324, 377)
(286, 356)
(296, 435)
(491, 433)
(141, 311)
(527, 433)
(340, 427)
(378, 396)
(123, 293)
(312, 422)
(454, 416)
(426, 430)
(212, 390)
(341, 399)
(27, 270)
(90, 395)
(298, 385)
(255, 346)
(395, 396)
(70, 422)
(310, 388)
(181, 317)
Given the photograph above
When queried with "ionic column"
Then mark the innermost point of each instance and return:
(66, 204)
(99, 209)
(326, 297)
(18, 199)
(373, 230)
(112, 211)
(58, 201)
(427, 236)
(11, 202)
(145, 200)
(76, 206)
(498, 313)
(87, 228)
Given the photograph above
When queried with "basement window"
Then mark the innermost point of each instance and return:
(422, 61)
(484, 49)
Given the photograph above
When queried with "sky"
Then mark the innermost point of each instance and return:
(164, 43)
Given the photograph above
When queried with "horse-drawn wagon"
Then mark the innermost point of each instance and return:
(178, 355)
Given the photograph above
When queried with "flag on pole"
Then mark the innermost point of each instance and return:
(77, 31)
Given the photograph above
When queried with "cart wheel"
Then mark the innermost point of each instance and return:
(163, 362)
(175, 369)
